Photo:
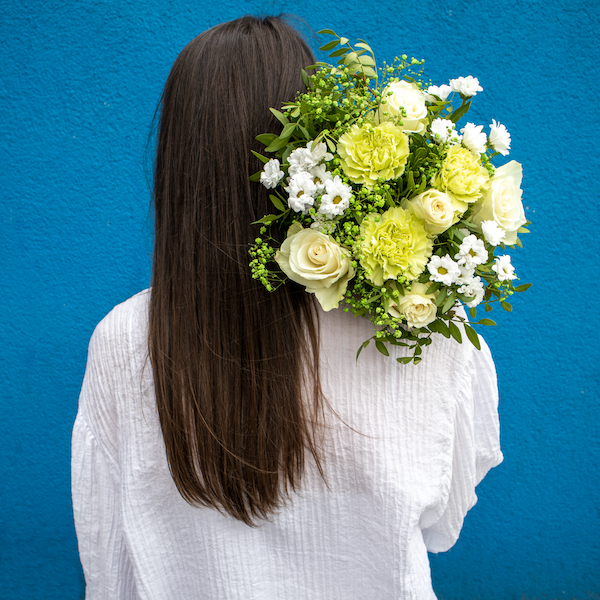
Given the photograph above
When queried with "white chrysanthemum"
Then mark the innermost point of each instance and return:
(320, 176)
(442, 92)
(300, 161)
(304, 159)
(337, 198)
(472, 252)
(466, 86)
(492, 232)
(442, 130)
(466, 274)
(503, 268)
(499, 138)
(443, 269)
(301, 190)
(473, 138)
(271, 174)
(319, 152)
(473, 288)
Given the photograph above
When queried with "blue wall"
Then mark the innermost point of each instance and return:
(80, 85)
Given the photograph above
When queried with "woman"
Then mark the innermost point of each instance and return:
(251, 456)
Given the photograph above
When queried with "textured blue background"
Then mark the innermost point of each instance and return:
(80, 84)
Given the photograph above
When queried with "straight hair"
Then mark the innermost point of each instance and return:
(236, 368)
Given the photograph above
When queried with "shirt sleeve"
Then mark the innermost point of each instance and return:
(95, 476)
(476, 449)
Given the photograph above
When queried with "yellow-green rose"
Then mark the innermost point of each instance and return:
(417, 307)
(392, 245)
(373, 152)
(461, 177)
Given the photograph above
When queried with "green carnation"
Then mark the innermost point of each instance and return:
(461, 177)
(373, 152)
(393, 245)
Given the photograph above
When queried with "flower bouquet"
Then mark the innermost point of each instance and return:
(388, 209)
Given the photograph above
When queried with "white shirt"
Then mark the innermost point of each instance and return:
(402, 460)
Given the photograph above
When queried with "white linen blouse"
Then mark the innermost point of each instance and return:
(402, 459)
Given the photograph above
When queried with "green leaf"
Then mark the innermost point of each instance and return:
(443, 328)
(371, 74)
(327, 32)
(362, 347)
(440, 298)
(455, 332)
(295, 113)
(267, 219)
(473, 311)
(256, 176)
(305, 80)
(506, 306)
(339, 52)
(280, 116)
(434, 287)
(450, 302)
(487, 322)
(405, 359)
(329, 45)
(460, 111)
(260, 157)
(522, 288)
(366, 61)
(473, 337)
(266, 138)
(288, 130)
(277, 144)
(488, 308)
(365, 46)
(276, 202)
(381, 347)
(417, 360)
(343, 41)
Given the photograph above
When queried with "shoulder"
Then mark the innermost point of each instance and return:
(124, 322)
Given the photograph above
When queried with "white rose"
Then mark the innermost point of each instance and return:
(404, 95)
(435, 209)
(501, 201)
(417, 307)
(315, 261)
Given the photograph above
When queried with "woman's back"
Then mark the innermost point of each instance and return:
(402, 448)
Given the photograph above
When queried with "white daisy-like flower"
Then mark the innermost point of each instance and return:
(499, 138)
(473, 138)
(301, 190)
(442, 130)
(473, 288)
(337, 198)
(443, 269)
(271, 174)
(492, 232)
(320, 176)
(466, 86)
(471, 252)
(504, 268)
(442, 92)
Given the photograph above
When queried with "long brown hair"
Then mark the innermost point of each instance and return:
(235, 367)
